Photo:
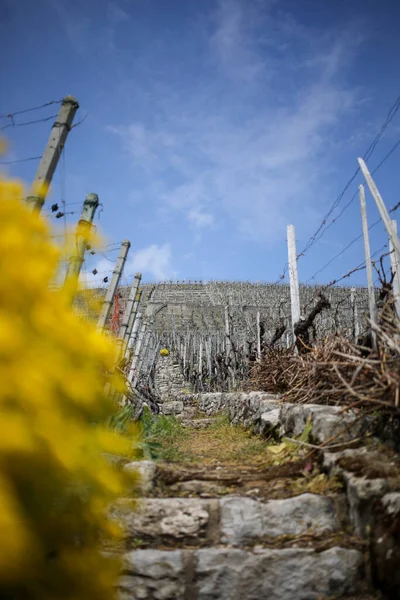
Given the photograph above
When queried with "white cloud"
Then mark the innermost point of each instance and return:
(200, 218)
(257, 168)
(154, 260)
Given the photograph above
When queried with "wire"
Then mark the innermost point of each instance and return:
(281, 277)
(21, 160)
(390, 116)
(25, 110)
(393, 209)
(13, 124)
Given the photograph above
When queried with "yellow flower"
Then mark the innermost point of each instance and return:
(55, 484)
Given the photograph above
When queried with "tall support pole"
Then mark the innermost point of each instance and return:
(132, 319)
(82, 235)
(395, 264)
(354, 311)
(382, 208)
(136, 348)
(368, 264)
(227, 332)
(200, 358)
(123, 330)
(51, 155)
(258, 337)
(135, 331)
(293, 276)
(137, 352)
(112, 288)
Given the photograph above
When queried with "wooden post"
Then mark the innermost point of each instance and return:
(293, 276)
(382, 208)
(132, 320)
(258, 337)
(136, 348)
(227, 332)
(51, 155)
(354, 311)
(200, 358)
(368, 264)
(82, 235)
(123, 330)
(134, 334)
(395, 264)
(112, 288)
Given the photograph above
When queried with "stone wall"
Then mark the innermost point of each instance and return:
(168, 379)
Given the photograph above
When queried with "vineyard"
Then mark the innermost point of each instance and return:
(177, 373)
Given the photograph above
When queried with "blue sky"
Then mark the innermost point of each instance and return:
(211, 124)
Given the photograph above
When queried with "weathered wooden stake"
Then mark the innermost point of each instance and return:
(51, 155)
(293, 276)
(381, 207)
(368, 264)
(395, 264)
(134, 313)
(258, 337)
(112, 288)
(124, 333)
(227, 332)
(82, 236)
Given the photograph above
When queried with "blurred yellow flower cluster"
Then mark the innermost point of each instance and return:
(55, 484)
(164, 352)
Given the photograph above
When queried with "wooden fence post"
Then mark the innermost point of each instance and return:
(395, 264)
(112, 288)
(123, 333)
(368, 264)
(293, 277)
(258, 337)
(381, 207)
(227, 332)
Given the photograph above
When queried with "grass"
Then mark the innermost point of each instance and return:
(161, 437)
(164, 438)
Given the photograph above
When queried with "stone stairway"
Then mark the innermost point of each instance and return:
(222, 532)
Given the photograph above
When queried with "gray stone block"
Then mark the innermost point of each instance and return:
(245, 520)
(167, 520)
(327, 421)
(288, 574)
(152, 575)
(172, 408)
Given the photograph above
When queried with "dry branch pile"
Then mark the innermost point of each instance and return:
(336, 372)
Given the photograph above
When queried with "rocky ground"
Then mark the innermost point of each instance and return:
(228, 515)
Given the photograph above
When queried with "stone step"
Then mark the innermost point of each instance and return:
(201, 423)
(232, 520)
(237, 574)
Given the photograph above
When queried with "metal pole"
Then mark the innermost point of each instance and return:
(123, 330)
(368, 264)
(82, 234)
(51, 155)
(293, 275)
(395, 264)
(381, 207)
(112, 288)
